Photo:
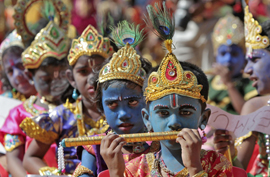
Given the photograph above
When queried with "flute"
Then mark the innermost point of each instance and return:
(136, 137)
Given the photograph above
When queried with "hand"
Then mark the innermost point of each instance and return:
(224, 73)
(191, 142)
(222, 139)
(110, 150)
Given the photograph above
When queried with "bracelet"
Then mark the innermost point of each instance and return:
(80, 170)
(201, 174)
(48, 171)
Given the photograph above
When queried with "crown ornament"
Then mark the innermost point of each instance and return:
(22, 7)
(125, 63)
(89, 43)
(227, 31)
(13, 39)
(252, 32)
(170, 77)
(51, 41)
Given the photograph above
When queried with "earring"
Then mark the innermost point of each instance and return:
(149, 127)
(204, 138)
(202, 126)
(75, 94)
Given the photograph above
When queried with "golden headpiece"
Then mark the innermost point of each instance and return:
(23, 6)
(252, 32)
(89, 43)
(125, 64)
(13, 39)
(228, 30)
(51, 41)
(170, 77)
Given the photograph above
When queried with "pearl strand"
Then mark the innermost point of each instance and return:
(61, 160)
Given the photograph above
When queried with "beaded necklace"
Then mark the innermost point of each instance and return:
(29, 106)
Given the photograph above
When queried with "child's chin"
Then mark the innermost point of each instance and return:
(171, 144)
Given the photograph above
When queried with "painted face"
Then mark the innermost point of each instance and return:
(14, 71)
(83, 71)
(231, 56)
(122, 107)
(51, 82)
(173, 112)
(258, 64)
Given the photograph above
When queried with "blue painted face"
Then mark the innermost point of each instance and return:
(122, 105)
(258, 64)
(231, 56)
(174, 111)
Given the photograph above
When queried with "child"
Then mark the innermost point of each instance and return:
(86, 56)
(175, 96)
(46, 64)
(13, 70)
(119, 96)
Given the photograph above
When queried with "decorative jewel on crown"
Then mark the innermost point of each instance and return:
(171, 78)
(51, 41)
(89, 43)
(252, 32)
(125, 63)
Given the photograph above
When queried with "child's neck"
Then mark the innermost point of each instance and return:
(45, 105)
(90, 109)
(172, 158)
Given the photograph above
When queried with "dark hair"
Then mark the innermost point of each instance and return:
(201, 77)
(266, 31)
(146, 65)
(17, 51)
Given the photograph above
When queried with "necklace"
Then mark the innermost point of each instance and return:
(18, 96)
(29, 106)
(43, 101)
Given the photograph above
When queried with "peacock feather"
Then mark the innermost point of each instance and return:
(160, 21)
(49, 11)
(105, 24)
(127, 33)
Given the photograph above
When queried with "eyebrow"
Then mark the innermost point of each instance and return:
(131, 97)
(159, 106)
(111, 99)
(187, 106)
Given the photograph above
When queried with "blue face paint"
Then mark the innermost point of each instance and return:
(231, 56)
(122, 107)
(258, 64)
(174, 111)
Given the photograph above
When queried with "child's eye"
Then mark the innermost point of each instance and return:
(185, 113)
(255, 59)
(112, 105)
(83, 71)
(163, 113)
(10, 71)
(133, 102)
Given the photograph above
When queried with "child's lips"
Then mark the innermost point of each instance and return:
(125, 126)
(91, 90)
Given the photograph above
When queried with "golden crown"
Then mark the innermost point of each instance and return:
(23, 6)
(89, 43)
(170, 77)
(125, 64)
(228, 30)
(252, 32)
(13, 39)
(51, 41)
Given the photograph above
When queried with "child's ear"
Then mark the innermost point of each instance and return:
(204, 118)
(70, 78)
(147, 123)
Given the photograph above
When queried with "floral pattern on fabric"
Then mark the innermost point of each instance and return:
(13, 141)
(213, 163)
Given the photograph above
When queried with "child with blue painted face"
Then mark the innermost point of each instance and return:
(175, 97)
(228, 89)
(120, 97)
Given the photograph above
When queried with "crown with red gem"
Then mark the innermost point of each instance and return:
(89, 43)
(227, 31)
(252, 32)
(51, 41)
(125, 63)
(170, 77)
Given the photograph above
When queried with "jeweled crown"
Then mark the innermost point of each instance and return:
(170, 77)
(125, 63)
(89, 43)
(51, 41)
(227, 31)
(252, 32)
(13, 39)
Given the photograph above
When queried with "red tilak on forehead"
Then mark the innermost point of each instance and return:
(174, 102)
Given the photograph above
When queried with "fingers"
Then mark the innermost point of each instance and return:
(222, 139)
(107, 140)
(116, 142)
(190, 136)
(219, 132)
